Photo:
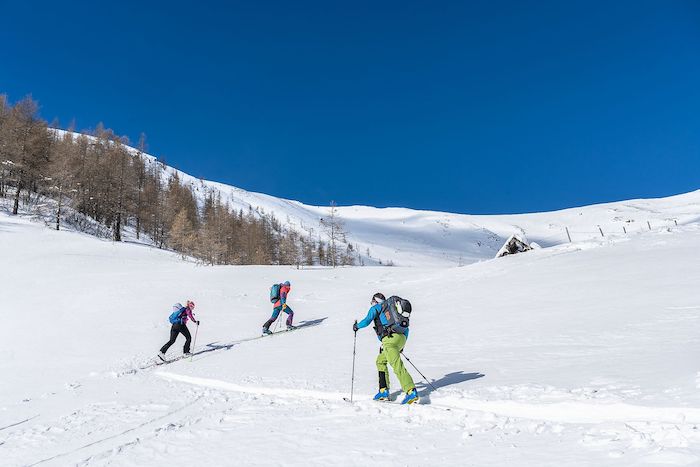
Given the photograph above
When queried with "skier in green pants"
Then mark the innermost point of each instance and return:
(393, 337)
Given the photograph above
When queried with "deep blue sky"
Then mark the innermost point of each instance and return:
(465, 106)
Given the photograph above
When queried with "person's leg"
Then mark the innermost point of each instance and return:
(273, 318)
(383, 370)
(290, 315)
(392, 349)
(188, 338)
(173, 335)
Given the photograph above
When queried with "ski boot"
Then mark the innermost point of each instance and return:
(161, 355)
(291, 327)
(266, 332)
(411, 397)
(382, 395)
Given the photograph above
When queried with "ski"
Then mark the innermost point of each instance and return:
(279, 332)
(159, 362)
(165, 362)
(388, 401)
(302, 325)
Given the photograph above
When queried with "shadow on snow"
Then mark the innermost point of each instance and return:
(424, 389)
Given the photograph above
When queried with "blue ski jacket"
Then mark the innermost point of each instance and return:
(373, 312)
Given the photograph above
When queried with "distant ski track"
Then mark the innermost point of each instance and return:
(141, 425)
(19, 423)
(214, 346)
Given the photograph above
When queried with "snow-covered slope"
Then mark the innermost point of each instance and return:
(582, 354)
(409, 237)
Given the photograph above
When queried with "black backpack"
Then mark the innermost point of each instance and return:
(397, 313)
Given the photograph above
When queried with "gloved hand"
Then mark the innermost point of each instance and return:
(354, 326)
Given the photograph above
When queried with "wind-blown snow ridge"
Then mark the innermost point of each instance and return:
(409, 237)
(562, 412)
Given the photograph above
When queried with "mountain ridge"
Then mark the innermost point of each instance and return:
(411, 237)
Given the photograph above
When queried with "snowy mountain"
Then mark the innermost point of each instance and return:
(408, 237)
(581, 354)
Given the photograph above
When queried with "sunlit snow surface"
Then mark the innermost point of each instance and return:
(578, 354)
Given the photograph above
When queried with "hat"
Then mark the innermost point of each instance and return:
(378, 297)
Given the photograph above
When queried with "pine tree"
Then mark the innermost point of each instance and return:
(140, 176)
(334, 228)
(182, 234)
(97, 177)
(27, 148)
(63, 172)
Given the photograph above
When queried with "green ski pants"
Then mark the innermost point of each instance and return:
(390, 353)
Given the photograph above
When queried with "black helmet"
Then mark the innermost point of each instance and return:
(378, 297)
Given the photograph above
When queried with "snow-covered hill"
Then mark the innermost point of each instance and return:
(581, 354)
(408, 237)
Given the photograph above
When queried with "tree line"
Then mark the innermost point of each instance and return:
(97, 179)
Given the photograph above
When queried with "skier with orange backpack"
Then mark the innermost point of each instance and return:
(391, 320)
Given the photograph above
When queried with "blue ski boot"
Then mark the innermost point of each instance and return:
(382, 395)
(266, 332)
(411, 397)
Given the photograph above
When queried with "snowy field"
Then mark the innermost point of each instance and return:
(582, 354)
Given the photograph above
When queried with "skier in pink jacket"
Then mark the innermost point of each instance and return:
(279, 306)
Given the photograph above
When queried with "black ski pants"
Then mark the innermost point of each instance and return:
(174, 331)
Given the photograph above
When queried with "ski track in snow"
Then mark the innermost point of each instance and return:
(208, 350)
(18, 423)
(577, 355)
(117, 435)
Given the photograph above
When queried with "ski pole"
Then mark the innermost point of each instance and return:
(277, 321)
(426, 379)
(194, 343)
(352, 383)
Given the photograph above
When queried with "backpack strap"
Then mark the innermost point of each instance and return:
(381, 330)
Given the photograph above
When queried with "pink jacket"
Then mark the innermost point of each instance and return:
(284, 291)
(188, 315)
